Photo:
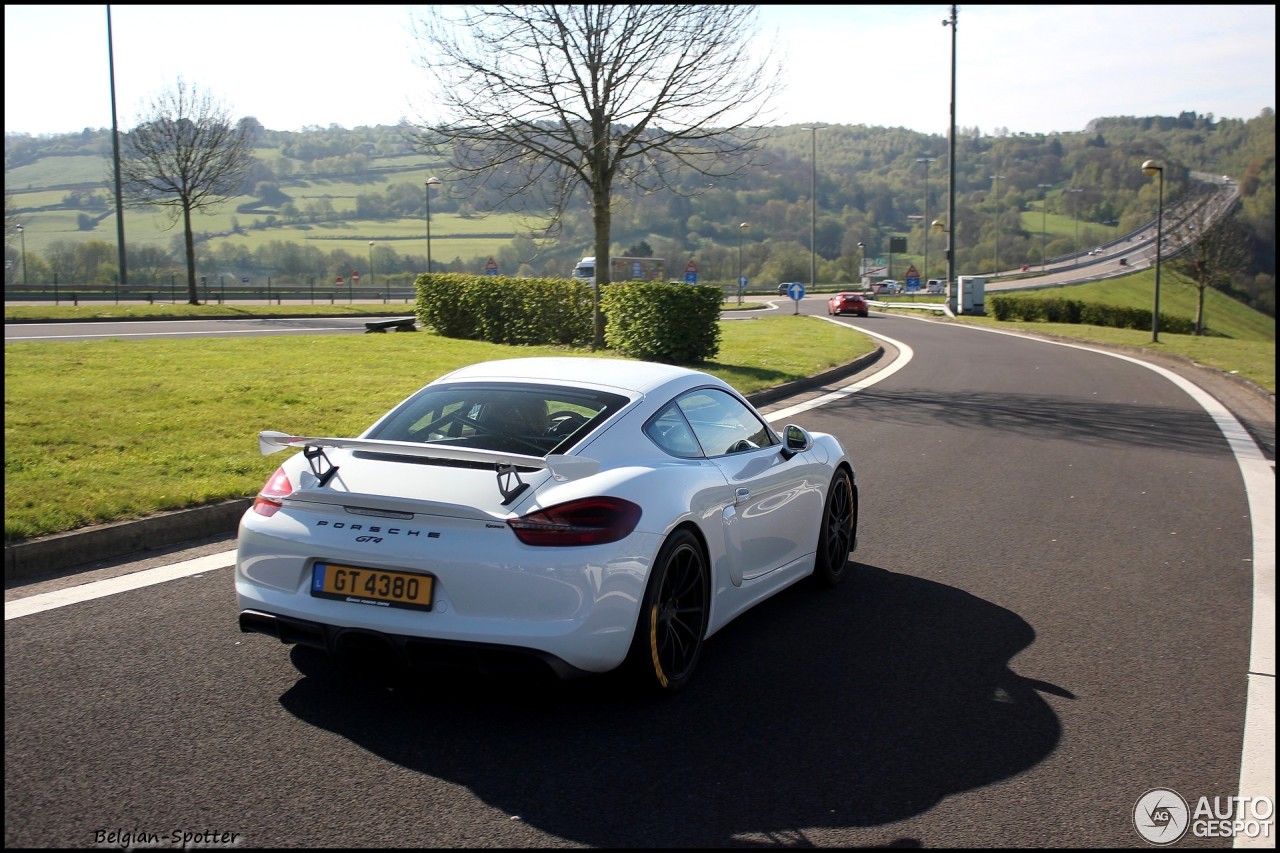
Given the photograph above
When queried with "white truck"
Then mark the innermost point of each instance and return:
(623, 269)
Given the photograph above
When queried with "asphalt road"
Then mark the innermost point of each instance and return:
(1052, 612)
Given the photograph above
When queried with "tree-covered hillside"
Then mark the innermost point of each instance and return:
(328, 200)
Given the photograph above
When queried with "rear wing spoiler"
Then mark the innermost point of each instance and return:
(561, 467)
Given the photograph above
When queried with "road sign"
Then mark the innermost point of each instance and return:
(912, 281)
(742, 282)
(796, 290)
(355, 276)
(491, 267)
(691, 266)
(340, 281)
(691, 277)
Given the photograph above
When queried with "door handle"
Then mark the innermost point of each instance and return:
(740, 496)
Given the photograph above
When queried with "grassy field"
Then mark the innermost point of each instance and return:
(107, 430)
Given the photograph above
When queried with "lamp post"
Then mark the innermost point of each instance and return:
(1044, 218)
(742, 229)
(371, 284)
(952, 22)
(951, 296)
(22, 238)
(432, 181)
(1148, 168)
(1075, 212)
(813, 209)
(996, 195)
(862, 261)
(926, 161)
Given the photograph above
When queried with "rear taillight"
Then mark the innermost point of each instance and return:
(270, 498)
(590, 521)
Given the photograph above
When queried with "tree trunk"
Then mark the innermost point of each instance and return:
(193, 297)
(600, 215)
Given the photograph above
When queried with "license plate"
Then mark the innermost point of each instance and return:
(376, 587)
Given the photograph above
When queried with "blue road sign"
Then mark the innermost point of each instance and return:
(691, 278)
(796, 290)
(742, 282)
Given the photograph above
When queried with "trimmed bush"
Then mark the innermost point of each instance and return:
(654, 321)
(1030, 309)
(504, 310)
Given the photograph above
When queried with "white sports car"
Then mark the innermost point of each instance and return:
(579, 513)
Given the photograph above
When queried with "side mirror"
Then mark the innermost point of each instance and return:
(794, 440)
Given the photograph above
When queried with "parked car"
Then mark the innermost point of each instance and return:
(847, 303)
(934, 285)
(889, 285)
(547, 510)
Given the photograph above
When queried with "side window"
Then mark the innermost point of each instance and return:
(722, 424)
(670, 431)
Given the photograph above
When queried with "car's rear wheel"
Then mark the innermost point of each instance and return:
(673, 616)
(835, 539)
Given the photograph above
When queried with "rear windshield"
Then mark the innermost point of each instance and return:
(510, 418)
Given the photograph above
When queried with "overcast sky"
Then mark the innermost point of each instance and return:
(1021, 68)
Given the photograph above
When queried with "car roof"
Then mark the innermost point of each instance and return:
(639, 377)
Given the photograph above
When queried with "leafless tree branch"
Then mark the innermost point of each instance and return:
(185, 155)
(542, 100)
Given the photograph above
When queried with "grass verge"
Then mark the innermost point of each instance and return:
(107, 430)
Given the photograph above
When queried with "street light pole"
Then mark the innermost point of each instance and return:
(813, 210)
(1151, 168)
(22, 238)
(432, 181)
(996, 195)
(951, 167)
(1075, 212)
(1044, 218)
(926, 161)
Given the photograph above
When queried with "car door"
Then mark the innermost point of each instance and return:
(776, 502)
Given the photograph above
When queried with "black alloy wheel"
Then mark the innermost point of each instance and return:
(836, 536)
(673, 616)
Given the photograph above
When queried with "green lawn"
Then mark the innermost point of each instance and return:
(107, 430)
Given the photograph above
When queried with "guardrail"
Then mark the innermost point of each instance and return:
(941, 307)
(278, 295)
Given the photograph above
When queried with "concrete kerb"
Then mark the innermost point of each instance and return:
(59, 552)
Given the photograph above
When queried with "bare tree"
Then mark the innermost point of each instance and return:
(185, 155)
(542, 100)
(1209, 251)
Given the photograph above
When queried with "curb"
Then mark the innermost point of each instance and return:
(61, 551)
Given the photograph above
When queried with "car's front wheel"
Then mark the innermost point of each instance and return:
(836, 537)
(673, 616)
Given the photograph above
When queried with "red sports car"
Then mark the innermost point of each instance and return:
(847, 303)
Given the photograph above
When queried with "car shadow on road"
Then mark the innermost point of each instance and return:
(852, 708)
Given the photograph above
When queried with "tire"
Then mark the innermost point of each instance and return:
(673, 617)
(836, 537)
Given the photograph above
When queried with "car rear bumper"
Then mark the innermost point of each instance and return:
(415, 653)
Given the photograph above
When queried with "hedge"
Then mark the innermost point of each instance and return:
(1032, 309)
(673, 323)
